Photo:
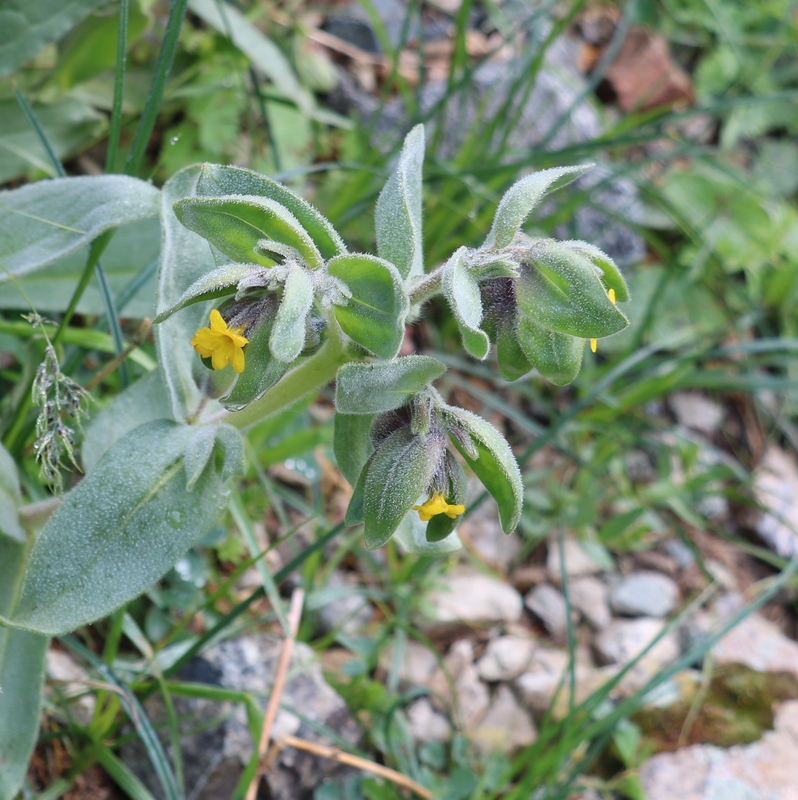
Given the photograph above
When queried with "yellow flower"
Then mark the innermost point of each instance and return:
(594, 342)
(221, 344)
(437, 505)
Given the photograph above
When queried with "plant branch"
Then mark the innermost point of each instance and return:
(427, 287)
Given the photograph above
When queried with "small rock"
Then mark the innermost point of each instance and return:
(505, 658)
(577, 561)
(588, 596)
(762, 770)
(472, 695)
(758, 644)
(61, 667)
(546, 602)
(474, 597)
(483, 530)
(426, 723)
(645, 594)
(697, 411)
(679, 552)
(505, 727)
(418, 663)
(776, 489)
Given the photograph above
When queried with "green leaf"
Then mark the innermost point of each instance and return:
(611, 274)
(400, 471)
(557, 356)
(352, 444)
(43, 221)
(230, 442)
(522, 197)
(496, 466)
(237, 224)
(356, 510)
(218, 283)
(411, 536)
(263, 52)
(218, 180)
(204, 442)
(288, 333)
(10, 498)
(513, 363)
(398, 213)
(21, 674)
(262, 370)
(185, 258)
(27, 26)
(145, 401)
(118, 531)
(380, 387)
(374, 316)
(462, 292)
(561, 290)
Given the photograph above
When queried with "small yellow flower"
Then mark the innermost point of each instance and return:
(594, 342)
(437, 505)
(221, 344)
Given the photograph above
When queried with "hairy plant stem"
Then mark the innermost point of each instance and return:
(427, 287)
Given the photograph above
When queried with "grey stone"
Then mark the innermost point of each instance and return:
(474, 597)
(547, 603)
(776, 489)
(505, 658)
(484, 533)
(757, 643)
(695, 410)
(577, 561)
(762, 770)
(417, 666)
(588, 596)
(426, 723)
(505, 727)
(679, 552)
(472, 695)
(645, 594)
(72, 679)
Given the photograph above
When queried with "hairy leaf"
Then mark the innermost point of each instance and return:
(513, 363)
(557, 356)
(398, 214)
(411, 536)
(374, 315)
(462, 292)
(352, 444)
(611, 275)
(288, 333)
(10, 498)
(380, 387)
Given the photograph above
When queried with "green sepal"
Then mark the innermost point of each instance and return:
(374, 315)
(513, 363)
(217, 180)
(261, 369)
(611, 275)
(289, 331)
(441, 525)
(400, 471)
(220, 282)
(496, 466)
(522, 197)
(237, 224)
(557, 356)
(377, 388)
(352, 444)
(356, 510)
(462, 292)
(561, 290)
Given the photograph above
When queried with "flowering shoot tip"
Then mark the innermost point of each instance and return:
(221, 344)
(437, 505)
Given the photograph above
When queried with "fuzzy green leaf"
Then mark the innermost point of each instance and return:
(10, 498)
(513, 363)
(462, 292)
(374, 315)
(522, 197)
(557, 356)
(201, 446)
(288, 333)
(560, 290)
(496, 466)
(237, 224)
(611, 274)
(380, 387)
(219, 180)
(352, 444)
(400, 471)
(398, 213)
(118, 531)
(411, 536)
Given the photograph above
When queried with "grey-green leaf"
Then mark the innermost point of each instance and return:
(522, 197)
(201, 446)
(374, 315)
(288, 334)
(411, 536)
(557, 356)
(400, 471)
(513, 363)
(611, 274)
(218, 283)
(238, 223)
(26, 27)
(185, 258)
(496, 466)
(398, 213)
(218, 180)
(380, 387)
(561, 290)
(118, 531)
(10, 498)
(43, 221)
(352, 444)
(462, 292)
